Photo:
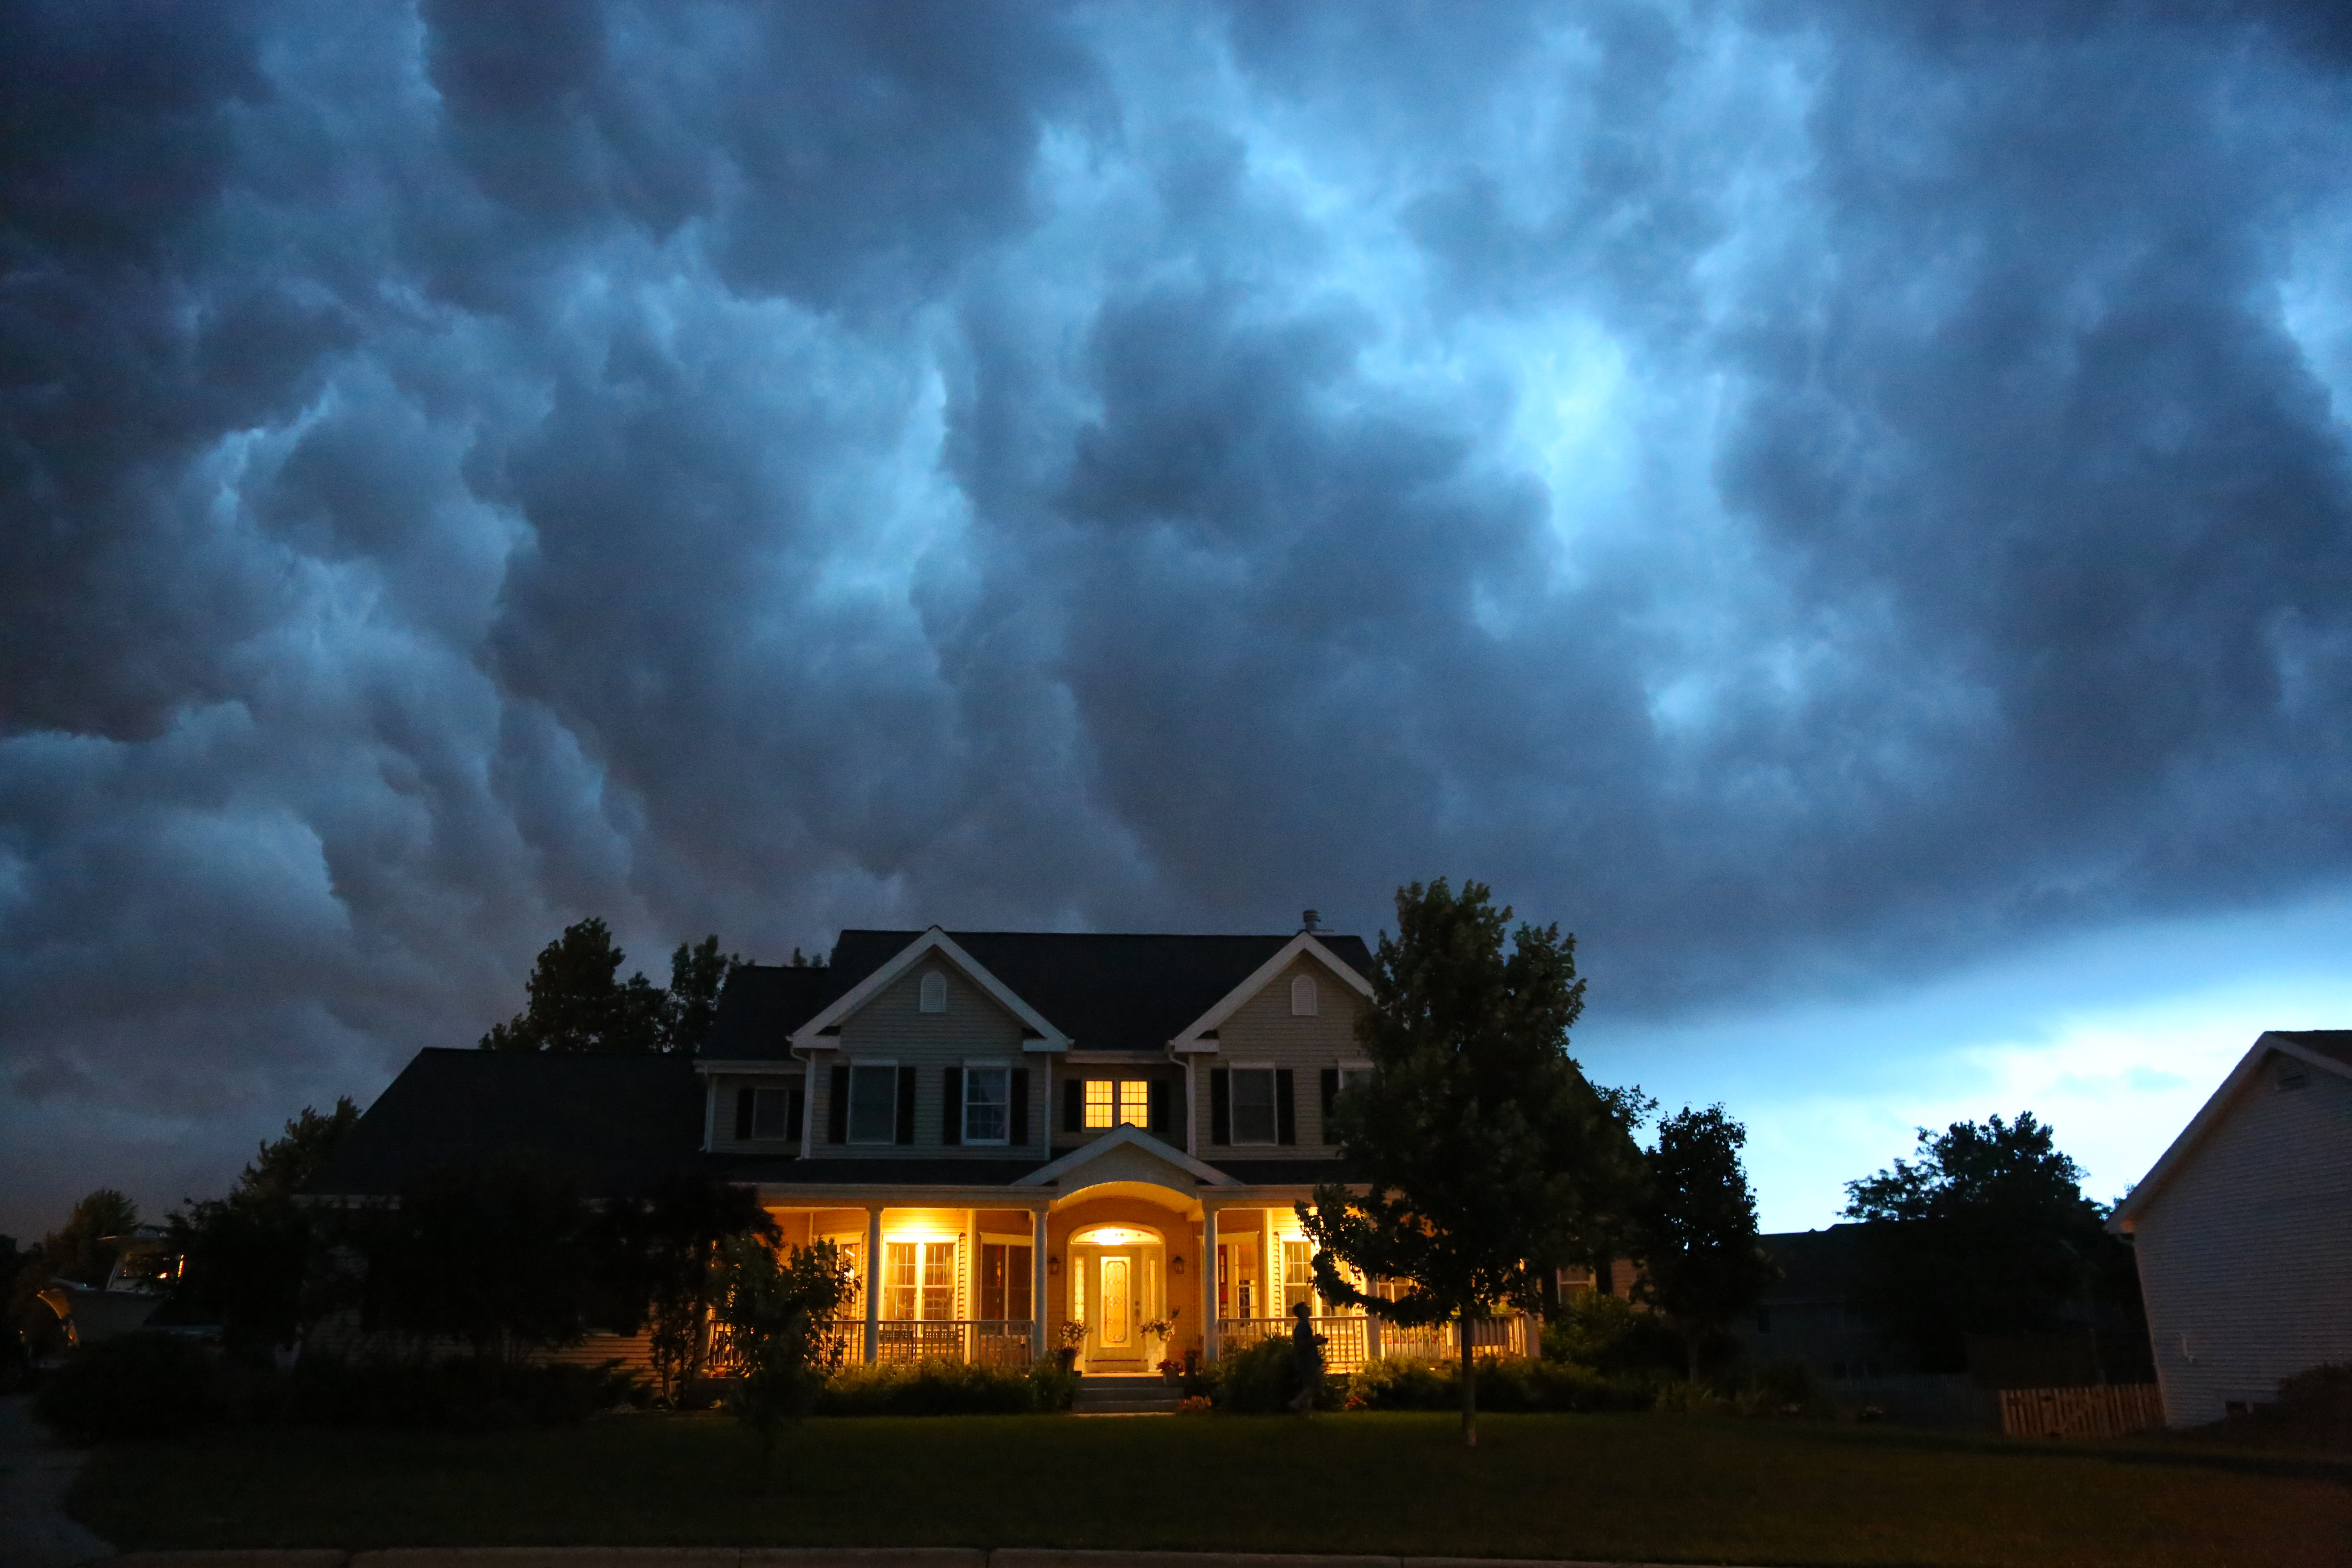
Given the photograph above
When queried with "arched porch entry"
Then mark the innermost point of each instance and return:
(1123, 1269)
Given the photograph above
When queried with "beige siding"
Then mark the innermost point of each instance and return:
(723, 1087)
(2246, 1254)
(1263, 1030)
(892, 1026)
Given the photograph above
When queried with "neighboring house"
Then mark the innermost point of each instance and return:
(2243, 1230)
(1024, 1131)
(1807, 1315)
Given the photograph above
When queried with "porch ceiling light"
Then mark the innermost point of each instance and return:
(1114, 1236)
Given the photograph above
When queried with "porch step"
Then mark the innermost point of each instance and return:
(1124, 1397)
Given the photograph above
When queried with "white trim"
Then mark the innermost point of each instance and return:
(1050, 1038)
(1188, 1038)
(1121, 1137)
(963, 1105)
(2126, 1213)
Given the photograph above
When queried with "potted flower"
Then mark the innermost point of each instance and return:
(1159, 1329)
(1074, 1335)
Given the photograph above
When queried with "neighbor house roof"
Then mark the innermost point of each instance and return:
(1815, 1264)
(2330, 1050)
(613, 1123)
(1106, 992)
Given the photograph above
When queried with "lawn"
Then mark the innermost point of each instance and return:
(1657, 1488)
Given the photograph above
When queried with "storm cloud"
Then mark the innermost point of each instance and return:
(1803, 495)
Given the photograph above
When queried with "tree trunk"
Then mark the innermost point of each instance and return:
(1469, 1386)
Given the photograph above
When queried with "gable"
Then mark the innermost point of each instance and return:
(2320, 1058)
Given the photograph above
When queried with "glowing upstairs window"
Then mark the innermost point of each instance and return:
(1102, 1103)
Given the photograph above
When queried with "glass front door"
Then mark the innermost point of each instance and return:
(1113, 1328)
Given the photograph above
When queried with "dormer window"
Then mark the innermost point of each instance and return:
(935, 991)
(1302, 996)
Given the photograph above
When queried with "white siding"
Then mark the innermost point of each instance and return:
(2246, 1252)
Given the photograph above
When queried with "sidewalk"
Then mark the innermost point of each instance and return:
(35, 1473)
(799, 1557)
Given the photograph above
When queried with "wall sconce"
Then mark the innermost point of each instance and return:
(1176, 1264)
(1052, 1263)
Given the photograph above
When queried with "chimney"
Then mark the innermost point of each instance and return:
(1309, 917)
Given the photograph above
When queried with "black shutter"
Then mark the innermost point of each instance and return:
(1221, 1105)
(795, 1106)
(1163, 1109)
(952, 1106)
(1331, 1097)
(744, 1115)
(1020, 1108)
(1286, 1109)
(1074, 1105)
(906, 1105)
(836, 1107)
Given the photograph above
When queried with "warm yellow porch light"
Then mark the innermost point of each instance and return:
(1113, 1236)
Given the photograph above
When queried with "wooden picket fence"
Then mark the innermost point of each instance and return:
(2109, 1412)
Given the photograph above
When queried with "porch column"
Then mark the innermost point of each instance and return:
(1269, 1266)
(1037, 1284)
(1208, 1282)
(969, 1264)
(873, 1282)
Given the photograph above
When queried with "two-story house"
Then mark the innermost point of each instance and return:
(1013, 1136)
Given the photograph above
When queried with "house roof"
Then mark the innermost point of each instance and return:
(1106, 991)
(613, 1123)
(1815, 1264)
(2330, 1050)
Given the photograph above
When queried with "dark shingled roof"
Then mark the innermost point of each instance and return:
(1815, 1264)
(613, 1123)
(1106, 992)
(2336, 1043)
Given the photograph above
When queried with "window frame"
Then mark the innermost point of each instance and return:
(1265, 1071)
(780, 1097)
(1003, 1072)
(850, 1137)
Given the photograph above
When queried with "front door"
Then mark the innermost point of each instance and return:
(1114, 1335)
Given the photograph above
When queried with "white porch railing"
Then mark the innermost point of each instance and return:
(979, 1341)
(1349, 1341)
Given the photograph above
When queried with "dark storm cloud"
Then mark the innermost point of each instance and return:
(1805, 491)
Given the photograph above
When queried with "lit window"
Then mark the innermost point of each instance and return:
(873, 1105)
(1302, 996)
(1110, 1101)
(1253, 1119)
(1102, 1103)
(1135, 1101)
(918, 1280)
(1297, 1275)
(935, 992)
(987, 1104)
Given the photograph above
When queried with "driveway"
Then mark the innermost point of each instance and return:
(35, 1472)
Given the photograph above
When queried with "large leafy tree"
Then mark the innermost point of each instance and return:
(1986, 1231)
(245, 1256)
(1701, 1265)
(667, 1251)
(578, 1001)
(1488, 1158)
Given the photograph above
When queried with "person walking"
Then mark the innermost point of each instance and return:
(1306, 1352)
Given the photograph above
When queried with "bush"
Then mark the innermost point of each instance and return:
(1610, 1334)
(944, 1388)
(1264, 1379)
(1051, 1388)
(140, 1385)
(1506, 1383)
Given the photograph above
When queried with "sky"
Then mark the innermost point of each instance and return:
(1843, 508)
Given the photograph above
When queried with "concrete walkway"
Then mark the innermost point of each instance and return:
(799, 1557)
(36, 1471)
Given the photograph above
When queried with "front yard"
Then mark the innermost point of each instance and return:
(1647, 1488)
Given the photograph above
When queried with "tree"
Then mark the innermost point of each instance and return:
(245, 1256)
(501, 1255)
(1701, 1266)
(578, 1001)
(668, 1248)
(696, 975)
(1488, 1157)
(1986, 1232)
(776, 1307)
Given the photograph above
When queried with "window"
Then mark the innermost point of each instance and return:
(935, 992)
(1110, 1101)
(772, 1115)
(918, 1280)
(1006, 1280)
(1354, 1077)
(1254, 1121)
(1302, 996)
(873, 1104)
(1297, 1275)
(987, 1104)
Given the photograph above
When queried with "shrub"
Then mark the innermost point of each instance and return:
(1264, 1379)
(464, 1395)
(1610, 1334)
(942, 1388)
(1052, 1386)
(1505, 1383)
(140, 1385)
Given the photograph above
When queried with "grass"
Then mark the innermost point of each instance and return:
(1655, 1487)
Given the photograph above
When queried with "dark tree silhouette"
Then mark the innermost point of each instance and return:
(1701, 1266)
(245, 1256)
